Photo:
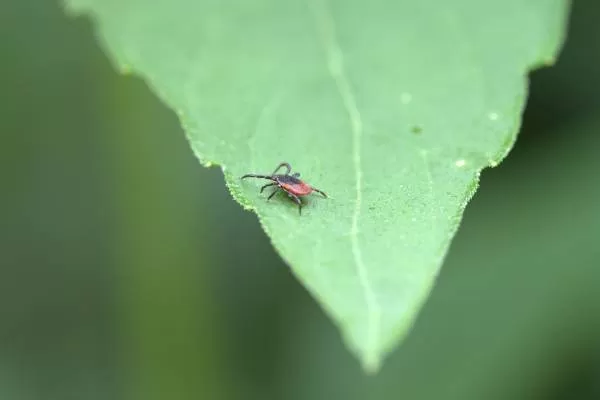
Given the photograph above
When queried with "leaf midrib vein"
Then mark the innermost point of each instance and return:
(335, 66)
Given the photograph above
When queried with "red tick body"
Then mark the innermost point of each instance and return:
(291, 184)
(298, 188)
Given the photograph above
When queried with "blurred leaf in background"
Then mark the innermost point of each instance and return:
(128, 272)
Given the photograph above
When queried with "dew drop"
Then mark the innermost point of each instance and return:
(460, 163)
(493, 116)
(405, 98)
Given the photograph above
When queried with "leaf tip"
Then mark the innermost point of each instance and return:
(371, 364)
(71, 9)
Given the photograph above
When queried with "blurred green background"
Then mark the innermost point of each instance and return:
(128, 272)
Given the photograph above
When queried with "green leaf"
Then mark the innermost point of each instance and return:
(391, 107)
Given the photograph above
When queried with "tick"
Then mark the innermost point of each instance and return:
(291, 184)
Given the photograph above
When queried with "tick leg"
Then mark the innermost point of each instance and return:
(283, 164)
(298, 201)
(320, 191)
(256, 176)
(273, 194)
(267, 185)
